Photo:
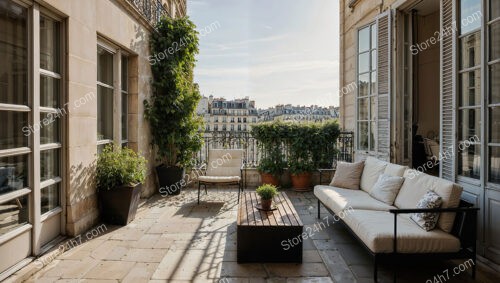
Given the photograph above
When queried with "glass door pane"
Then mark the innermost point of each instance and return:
(49, 45)
(50, 121)
(13, 54)
(13, 173)
(50, 198)
(13, 214)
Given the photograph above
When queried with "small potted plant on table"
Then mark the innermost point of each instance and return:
(120, 173)
(266, 192)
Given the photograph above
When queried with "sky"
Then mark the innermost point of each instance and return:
(275, 52)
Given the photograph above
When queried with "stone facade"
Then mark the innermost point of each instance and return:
(352, 18)
(288, 112)
(220, 114)
(120, 23)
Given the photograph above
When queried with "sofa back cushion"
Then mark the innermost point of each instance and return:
(386, 189)
(372, 171)
(395, 170)
(348, 175)
(417, 184)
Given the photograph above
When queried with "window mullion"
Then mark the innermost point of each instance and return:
(117, 95)
(34, 179)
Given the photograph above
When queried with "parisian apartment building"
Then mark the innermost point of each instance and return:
(73, 78)
(289, 112)
(235, 115)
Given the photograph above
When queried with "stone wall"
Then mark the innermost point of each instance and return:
(363, 13)
(85, 22)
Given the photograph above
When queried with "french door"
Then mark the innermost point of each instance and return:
(31, 123)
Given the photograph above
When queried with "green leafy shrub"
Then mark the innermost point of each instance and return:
(117, 166)
(267, 191)
(303, 147)
(269, 137)
(311, 146)
(171, 110)
(270, 165)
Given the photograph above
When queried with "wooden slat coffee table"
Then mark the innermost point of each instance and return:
(268, 236)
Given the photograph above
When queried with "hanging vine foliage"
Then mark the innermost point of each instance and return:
(171, 110)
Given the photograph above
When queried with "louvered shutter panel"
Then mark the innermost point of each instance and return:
(384, 53)
(448, 88)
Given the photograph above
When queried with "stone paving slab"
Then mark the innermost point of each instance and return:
(173, 239)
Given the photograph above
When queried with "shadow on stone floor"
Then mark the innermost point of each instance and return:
(174, 239)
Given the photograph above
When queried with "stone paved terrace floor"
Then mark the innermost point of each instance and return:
(175, 240)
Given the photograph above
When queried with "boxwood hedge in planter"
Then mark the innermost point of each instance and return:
(303, 147)
(270, 145)
(119, 173)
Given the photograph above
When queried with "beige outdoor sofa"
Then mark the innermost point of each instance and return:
(375, 223)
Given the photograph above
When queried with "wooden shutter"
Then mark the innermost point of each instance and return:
(447, 90)
(384, 55)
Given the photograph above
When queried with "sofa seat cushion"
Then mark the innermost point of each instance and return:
(416, 186)
(371, 172)
(219, 179)
(376, 230)
(338, 199)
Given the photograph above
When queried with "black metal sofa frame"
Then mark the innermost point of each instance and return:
(464, 228)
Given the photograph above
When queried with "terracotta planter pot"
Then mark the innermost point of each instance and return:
(266, 203)
(269, 179)
(301, 182)
(119, 205)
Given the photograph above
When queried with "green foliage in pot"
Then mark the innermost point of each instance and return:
(323, 146)
(306, 146)
(270, 143)
(171, 110)
(299, 140)
(272, 165)
(267, 191)
(119, 166)
(311, 146)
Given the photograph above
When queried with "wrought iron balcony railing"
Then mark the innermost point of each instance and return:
(151, 10)
(245, 141)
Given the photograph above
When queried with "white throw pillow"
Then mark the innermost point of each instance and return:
(386, 188)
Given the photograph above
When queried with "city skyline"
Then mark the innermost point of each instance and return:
(268, 52)
(236, 98)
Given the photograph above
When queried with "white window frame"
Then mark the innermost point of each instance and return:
(34, 148)
(117, 53)
(488, 23)
(371, 95)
